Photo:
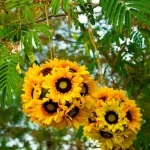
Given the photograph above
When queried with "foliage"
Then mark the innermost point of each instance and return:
(32, 31)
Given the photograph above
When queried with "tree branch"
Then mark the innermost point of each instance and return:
(94, 5)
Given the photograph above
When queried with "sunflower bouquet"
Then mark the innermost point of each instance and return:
(60, 93)
(116, 120)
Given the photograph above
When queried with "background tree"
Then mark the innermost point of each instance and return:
(112, 40)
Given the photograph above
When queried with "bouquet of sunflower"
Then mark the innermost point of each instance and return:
(62, 94)
(59, 93)
(115, 121)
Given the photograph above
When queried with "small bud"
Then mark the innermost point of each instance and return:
(18, 69)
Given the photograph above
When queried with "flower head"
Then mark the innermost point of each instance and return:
(111, 116)
(63, 85)
(133, 115)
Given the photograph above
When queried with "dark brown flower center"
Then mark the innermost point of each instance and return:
(50, 107)
(84, 90)
(73, 112)
(111, 117)
(32, 92)
(129, 116)
(67, 104)
(63, 85)
(91, 120)
(106, 135)
(46, 71)
(72, 70)
(103, 98)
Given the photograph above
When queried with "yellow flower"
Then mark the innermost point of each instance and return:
(47, 67)
(103, 136)
(110, 140)
(119, 95)
(75, 116)
(118, 148)
(63, 84)
(108, 94)
(33, 71)
(128, 141)
(32, 88)
(89, 91)
(111, 116)
(44, 112)
(92, 121)
(18, 69)
(133, 115)
(30, 81)
(73, 66)
(104, 94)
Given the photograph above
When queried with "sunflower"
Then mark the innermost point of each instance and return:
(108, 94)
(127, 140)
(47, 67)
(118, 148)
(63, 84)
(103, 95)
(92, 121)
(30, 81)
(32, 89)
(73, 66)
(111, 116)
(89, 91)
(119, 95)
(103, 136)
(133, 115)
(44, 112)
(75, 115)
(33, 71)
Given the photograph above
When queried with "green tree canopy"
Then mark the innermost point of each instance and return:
(110, 37)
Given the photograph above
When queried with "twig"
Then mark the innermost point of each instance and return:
(94, 5)
(97, 57)
(48, 23)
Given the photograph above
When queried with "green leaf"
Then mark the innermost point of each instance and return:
(9, 80)
(79, 133)
(43, 28)
(146, 143)
(121, 18)
(65, 5)
(36, 41)
(55, 6)
(30, 55)
(111, 16)
(141, 8)
(109, 8)
(81, 2)
(115, 20)
(28, 15)
(29, 47)
(140, 5)
(11, 4)
(105, 4)
(4, 52)
(128, 22)
(138, 142)
(15, 3)
(141, 17)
